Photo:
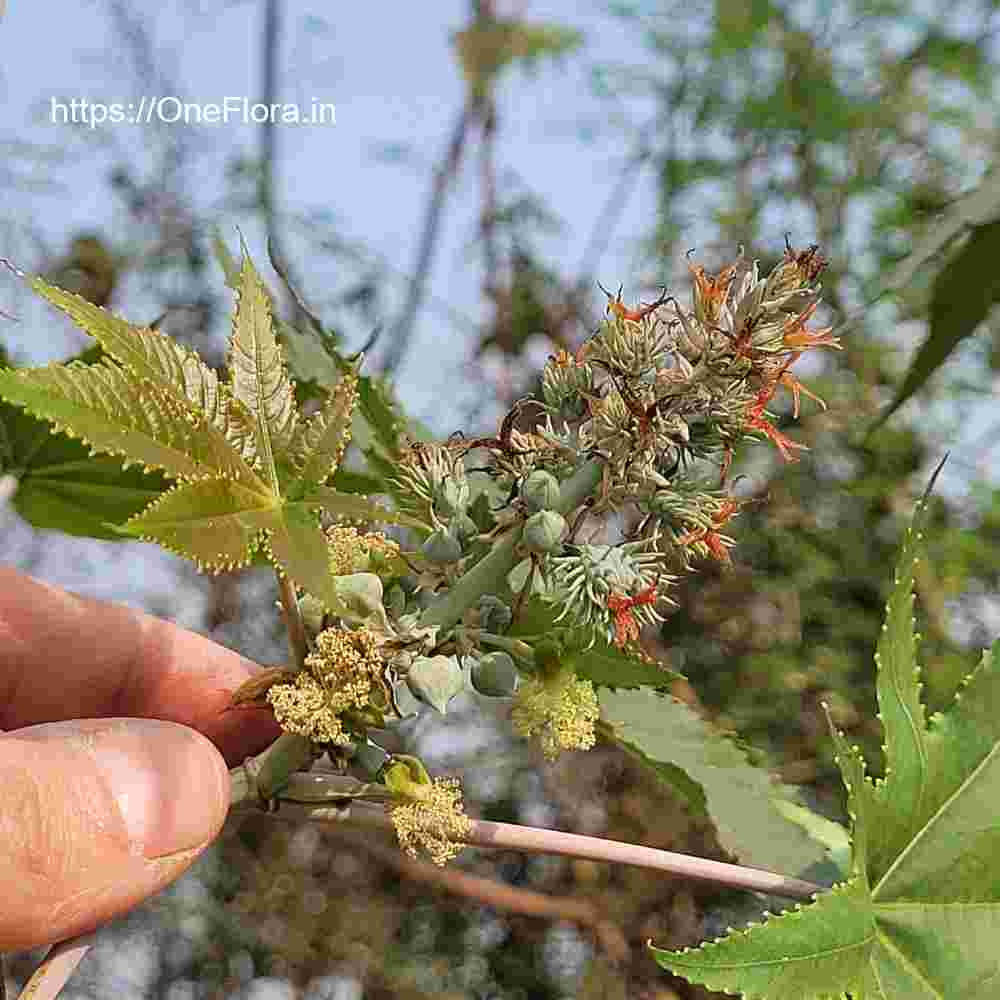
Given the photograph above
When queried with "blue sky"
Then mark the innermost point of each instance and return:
(390, 71)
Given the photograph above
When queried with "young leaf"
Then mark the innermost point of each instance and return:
(158, 405)
(924, 893)
(297, 546)
(215, 522)
(659, 730)
(353, 506)
(257, 371)
(112, 411)
(173, 369)
(320, 443)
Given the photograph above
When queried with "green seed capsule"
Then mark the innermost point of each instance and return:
(540, 491)
(435, 680)
(494, 615)
(544, 531)
(463, 528)
(442, 547)
(451, 497)
(495, 675)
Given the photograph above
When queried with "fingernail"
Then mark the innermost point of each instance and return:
(171, 785)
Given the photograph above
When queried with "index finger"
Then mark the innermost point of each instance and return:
(68, 657)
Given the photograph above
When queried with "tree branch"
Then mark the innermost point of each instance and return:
(496, 894)
(403, 329)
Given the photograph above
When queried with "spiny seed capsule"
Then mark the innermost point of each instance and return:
(442, 547)
(540, 491)
(463, 528)
(544, 531)
(495, 675)
(494, 615)
(451, 496)
(435, 680)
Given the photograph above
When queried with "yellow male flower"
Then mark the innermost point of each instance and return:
(561, 710)
(344, 673)
(353, 552)
(432, 819)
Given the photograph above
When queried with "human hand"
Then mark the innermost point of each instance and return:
(104, 809)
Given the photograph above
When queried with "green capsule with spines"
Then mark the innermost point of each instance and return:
(463, 528)
(442, 547)
(495, 675)
(540, 491)
(544, 532)
(494, 615)
(435, 680)
(451, 496)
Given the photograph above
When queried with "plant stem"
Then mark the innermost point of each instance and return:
(262, 777)
(293, 622)
(515, 647)
(533, 840)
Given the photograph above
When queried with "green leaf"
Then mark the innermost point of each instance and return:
(173, 369)
(61, 487)
(964, 292)
(215, 522)
(109, 409)
(355, 506)
(257, 371)
(297, 545)
(831, 835)
(976, 208)
(816, 953)
(384, 419)
(226, 262)
(608, 666)
(659, 730)
(925, 840)
(350, 481)
(320, 443)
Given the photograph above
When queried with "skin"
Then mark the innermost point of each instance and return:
(115, 745)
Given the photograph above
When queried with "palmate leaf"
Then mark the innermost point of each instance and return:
(215, 522)
(172, 368)
(924, 917)
(111, 411)
(250, 474)
(62, 487)
(671, 739)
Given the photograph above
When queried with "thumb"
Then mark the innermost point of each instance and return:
(96, 815)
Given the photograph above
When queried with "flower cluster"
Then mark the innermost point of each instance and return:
(626, 430)
(354, 552)
(432, 819)
(343, 677)
(560, 710)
